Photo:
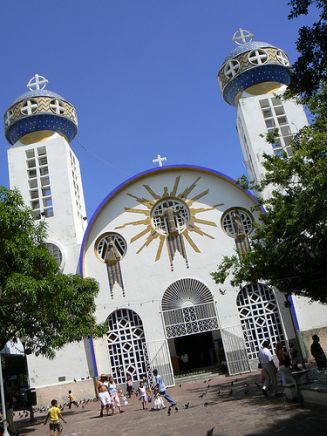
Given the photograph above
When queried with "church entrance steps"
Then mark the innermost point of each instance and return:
(314, 394)
(195, 377)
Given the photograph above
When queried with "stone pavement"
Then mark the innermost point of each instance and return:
(223, 403)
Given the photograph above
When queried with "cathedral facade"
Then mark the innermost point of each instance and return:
(154, 241)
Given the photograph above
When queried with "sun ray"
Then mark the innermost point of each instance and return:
(148, 241)
(133, 210)
(188, 190)
(196, 229)
(150, 191)
(135, 223)
(142, 233)
(208, 223)
(191, 242)
(160, 247)
(142, 200)
(200, 209)
(197, 197)
(173, 192)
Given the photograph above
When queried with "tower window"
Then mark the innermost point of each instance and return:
(32, 183)
(30, 154)
(31, 163)
(57, 107)
(282, 58)
(43, 161)
(31, 174)
(48, 212)
(45, 181)
(44, 171)
(264, 103)
(41, 151)
(34, 194)
(47, 202)
(35, 204)
(46, 191)
(279, 110)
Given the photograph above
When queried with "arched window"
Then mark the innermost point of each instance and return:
(125, 341)
(260, 319)
(55, 252)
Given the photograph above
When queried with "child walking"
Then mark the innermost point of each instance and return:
(142, 395)
(54, 413)
(129, 386)
(71, 400)
(112, 387)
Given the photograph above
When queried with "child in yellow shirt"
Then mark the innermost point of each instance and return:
(71, 400)
(54, 413)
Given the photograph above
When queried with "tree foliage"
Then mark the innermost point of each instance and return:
(310, 69)
(289, 245)
(38, 304)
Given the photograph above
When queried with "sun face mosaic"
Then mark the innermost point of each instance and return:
(170, 218)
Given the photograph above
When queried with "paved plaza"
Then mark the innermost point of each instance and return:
(231, 406)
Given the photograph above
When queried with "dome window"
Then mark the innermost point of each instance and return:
(258, 57)
(170, 215)
(57, 107)
(9, 115)
(282, 58)
(29, 107)
(236, 218)
(110, 242)
(232, 67)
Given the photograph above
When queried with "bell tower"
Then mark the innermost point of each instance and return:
(253, 78)
(40, 125)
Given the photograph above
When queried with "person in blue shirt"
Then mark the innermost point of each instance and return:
(162, 389)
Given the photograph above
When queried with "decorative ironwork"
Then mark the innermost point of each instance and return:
(235, 350)
(102, 243)
(157, 356)
(232, 225)
(185, 292)
(179, 212)
(260, 317)
(125, 342)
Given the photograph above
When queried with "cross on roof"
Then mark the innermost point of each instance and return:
(242, 35)
(37, 82)
(159, 160)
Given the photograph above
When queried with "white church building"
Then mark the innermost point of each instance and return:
(154, 241)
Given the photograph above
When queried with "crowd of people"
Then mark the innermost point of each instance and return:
(288, 363)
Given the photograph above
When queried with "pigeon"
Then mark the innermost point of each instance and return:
(208, 387)
(210, 432)
(176, 409)
(232, 383)
(206, 404)
(231, 392)
(202, 395)
(180, 386)
(169, 411)
(218, 393)
(246, 391)
(209, 380)
(223, 292)
(75, 380)
(205, 381)
(257, 385)
(187, 405)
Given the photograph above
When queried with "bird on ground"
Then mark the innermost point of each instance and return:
(169, 411)
(210, 432)
(176, 409)
(209, 380)
(180, 386)
(231, 392)
(246, 391)
(206, 404)
(205, 381)
(202, 395)
(26, 414)
(257, 385)
(232, 383)
(208, 387)
(218, 393)
(75, 380)
(187, 405)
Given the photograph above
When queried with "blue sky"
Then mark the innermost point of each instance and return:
(141, 74)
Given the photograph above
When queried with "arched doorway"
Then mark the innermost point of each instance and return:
(260, 317)
(191, 325)
(125, 342)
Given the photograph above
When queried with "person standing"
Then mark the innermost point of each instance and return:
(318, 353)
(129, 386)
(284, 363)
(185, 362)
(103, 394)
(142, 395)
(162, 389)
(113, 390)
(269, 369)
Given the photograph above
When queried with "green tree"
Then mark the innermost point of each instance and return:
(310, 69)
(38, 304)
(289, 245)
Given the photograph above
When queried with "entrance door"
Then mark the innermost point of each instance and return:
(199, 348)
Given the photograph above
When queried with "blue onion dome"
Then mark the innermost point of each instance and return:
(37, 110)
(253, 66)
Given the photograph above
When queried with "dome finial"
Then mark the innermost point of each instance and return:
(242, 35)
(37, 82)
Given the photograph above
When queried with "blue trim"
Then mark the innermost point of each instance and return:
(94, 362)
(38, 122)
(153, 171)
(253, 76)
(296, 322)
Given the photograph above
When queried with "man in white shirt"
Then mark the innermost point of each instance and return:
(269, 369)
